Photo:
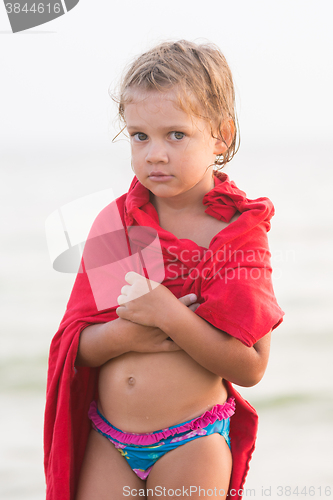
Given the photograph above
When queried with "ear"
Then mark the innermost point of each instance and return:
(225, 136)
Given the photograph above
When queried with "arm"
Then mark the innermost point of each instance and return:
(101, 342)
(215, 350)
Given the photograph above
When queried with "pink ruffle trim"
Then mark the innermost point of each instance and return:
(218, 412)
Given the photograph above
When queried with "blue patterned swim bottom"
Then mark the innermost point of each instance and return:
(143, 450)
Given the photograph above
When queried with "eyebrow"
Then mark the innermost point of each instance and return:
(169, 127)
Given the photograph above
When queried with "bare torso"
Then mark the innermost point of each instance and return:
(146, 392)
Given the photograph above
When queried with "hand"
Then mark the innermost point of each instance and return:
(143, 301)
(193, 305)
(145, 339)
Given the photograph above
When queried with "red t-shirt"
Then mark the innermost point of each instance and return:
(232, 280)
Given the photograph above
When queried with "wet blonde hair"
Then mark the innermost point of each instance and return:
(201, 77)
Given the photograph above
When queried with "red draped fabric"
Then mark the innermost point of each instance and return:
(232, 280)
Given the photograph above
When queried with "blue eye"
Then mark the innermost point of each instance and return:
(178, 135)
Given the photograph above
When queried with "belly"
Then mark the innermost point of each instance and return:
(146, 392)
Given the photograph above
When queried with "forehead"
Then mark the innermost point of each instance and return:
(141, 102)
(161, 110)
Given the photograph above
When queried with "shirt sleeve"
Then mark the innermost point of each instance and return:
(237, 293)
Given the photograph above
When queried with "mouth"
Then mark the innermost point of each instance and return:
(159, 176)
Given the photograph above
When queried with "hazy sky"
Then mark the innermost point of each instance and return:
(55, 77)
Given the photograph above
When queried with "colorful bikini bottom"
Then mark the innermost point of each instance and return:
(143, 450)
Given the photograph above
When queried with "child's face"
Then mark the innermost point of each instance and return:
(171, 150)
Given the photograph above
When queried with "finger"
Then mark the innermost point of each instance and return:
(131, 277)
(125, 289)
(121, 312)
(194, 307)
(188, 299)
(122, 299)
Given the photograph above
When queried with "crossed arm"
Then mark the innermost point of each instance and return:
(148, 318)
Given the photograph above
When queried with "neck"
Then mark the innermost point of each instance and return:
(190, 201)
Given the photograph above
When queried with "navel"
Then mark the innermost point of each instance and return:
(131, 381)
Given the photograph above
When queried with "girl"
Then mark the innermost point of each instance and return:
(154, 372)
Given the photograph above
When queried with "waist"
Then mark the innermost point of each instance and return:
(217, 413)
(141, 392)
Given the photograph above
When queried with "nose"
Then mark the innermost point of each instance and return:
(157, 153)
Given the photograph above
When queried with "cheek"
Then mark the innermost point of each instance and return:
(136, 154)
(186, 169)
(135, 163)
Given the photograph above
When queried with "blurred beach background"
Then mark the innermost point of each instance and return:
(57, 123)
